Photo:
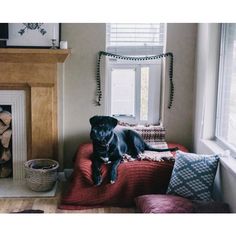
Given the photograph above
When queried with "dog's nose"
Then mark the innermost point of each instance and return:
(102, 134)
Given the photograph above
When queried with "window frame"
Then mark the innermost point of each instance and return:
(154, 91)
(220, 98)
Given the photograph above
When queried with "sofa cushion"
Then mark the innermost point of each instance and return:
(162, 203)
(193, 176)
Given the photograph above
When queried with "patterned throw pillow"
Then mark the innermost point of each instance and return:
(151, 133)
(193, 176)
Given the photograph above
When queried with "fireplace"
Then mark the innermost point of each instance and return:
(29, 90)
(5, 141)
(13, 146)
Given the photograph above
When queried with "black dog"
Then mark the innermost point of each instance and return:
(110, 144)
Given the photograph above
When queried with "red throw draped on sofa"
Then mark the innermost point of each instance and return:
(135, 178)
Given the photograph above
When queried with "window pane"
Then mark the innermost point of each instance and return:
(139, 34)
(135, 39)
(123, 92)
(226, 113)
(144, 93)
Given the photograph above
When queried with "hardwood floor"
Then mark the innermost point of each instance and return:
(49, 205)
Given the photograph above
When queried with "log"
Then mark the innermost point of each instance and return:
(5, 170)
(3, 127)
(5, 155)
(6, 117)
(6, 138)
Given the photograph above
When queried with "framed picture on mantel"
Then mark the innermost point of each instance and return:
(33, 35)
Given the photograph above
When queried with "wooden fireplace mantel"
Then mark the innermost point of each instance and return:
(19, 55)
(35, 72)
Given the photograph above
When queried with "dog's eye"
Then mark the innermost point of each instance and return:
(93, 131)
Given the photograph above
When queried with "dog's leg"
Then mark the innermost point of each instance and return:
(97, 177)
(135, 144)
(114, 167)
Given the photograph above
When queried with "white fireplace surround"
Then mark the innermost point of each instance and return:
(17, 100)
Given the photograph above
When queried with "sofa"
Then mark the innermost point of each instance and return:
(135, 178)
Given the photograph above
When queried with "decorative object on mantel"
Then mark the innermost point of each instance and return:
(63, 45)
(54, 41)
(34, 35)
(144, 58)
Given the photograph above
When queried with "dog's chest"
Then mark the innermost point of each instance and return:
(107, 154)
(105, 159)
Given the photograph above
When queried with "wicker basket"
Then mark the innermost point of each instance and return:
(41, 179)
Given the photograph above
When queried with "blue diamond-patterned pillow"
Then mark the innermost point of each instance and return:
(193, 176)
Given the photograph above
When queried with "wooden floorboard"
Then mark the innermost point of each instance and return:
(49, 205)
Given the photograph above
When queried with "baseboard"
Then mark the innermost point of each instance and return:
(65, 174)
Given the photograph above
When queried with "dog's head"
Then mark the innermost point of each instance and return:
(102, 128)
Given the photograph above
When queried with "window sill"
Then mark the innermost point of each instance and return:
(226, 160)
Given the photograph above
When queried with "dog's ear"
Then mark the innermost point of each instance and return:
(107, 119)
(93, 120)
(113, 121)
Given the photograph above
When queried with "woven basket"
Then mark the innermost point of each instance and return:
(41, 180)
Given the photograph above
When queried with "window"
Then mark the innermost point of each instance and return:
(134, 88)
(123, 91)
(226, 103)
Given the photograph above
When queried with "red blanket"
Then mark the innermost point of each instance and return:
(134, 179)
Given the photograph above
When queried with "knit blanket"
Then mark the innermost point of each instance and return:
(135, 178)
(152, 155)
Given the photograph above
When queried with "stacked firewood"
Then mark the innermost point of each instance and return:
(5, 143)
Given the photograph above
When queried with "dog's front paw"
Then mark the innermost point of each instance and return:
(167, 159)
(97, 180)
(113, 177)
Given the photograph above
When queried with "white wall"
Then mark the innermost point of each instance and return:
(79, 83)
(181, 40)
(86, 40)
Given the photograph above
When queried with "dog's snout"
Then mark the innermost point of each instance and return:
(101, 134)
